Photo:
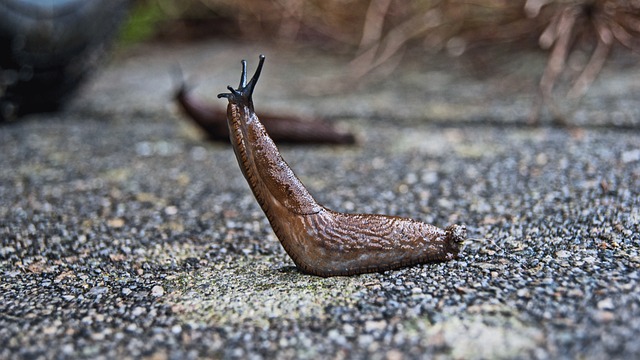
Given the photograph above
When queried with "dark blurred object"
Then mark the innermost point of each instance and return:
(48, 47)
(281, 128)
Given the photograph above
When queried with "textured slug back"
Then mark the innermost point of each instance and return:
(275, 177)
(330, 243)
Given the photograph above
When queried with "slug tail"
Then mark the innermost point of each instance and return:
(457, 234)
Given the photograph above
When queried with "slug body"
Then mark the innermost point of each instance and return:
(282, 129)
(321, 241)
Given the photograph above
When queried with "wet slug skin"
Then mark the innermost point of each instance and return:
(321, 241)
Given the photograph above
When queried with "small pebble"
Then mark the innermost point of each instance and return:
(157, 291)
(606, 304)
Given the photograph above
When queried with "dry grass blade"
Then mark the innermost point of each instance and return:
(591, 70)
(605, 22)
(383, 50)
(373, 23)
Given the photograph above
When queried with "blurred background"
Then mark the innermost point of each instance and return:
(376, 31)
(578, 36)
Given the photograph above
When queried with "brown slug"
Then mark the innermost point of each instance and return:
(281, 128)
(321, 241)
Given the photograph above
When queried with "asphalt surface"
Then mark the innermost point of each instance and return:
(125, 235)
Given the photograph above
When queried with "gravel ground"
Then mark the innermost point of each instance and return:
(125, 235)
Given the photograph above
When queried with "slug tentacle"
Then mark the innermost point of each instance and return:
(243, 95)
(318, 240)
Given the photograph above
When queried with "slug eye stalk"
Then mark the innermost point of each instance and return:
(318, 240)
(245, 91)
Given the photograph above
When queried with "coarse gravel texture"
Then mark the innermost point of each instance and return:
(125, 235)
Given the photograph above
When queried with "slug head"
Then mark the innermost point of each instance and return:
(242, 95)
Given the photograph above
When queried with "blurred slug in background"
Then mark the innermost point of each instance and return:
(281, 128)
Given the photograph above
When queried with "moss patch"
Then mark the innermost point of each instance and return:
(253, 292)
